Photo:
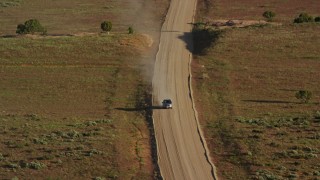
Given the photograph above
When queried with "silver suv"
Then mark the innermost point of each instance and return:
(167, 104)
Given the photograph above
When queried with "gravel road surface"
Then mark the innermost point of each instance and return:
(182, 152)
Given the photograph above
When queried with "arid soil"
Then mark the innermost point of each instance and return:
(246, 80)
(72, 102)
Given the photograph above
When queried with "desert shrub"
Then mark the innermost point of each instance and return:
(32, 117)
(304, 96)
(269, 15)
(30, 27)
(106, 121)
(21, 28)
(10, 3)
(274, 144)
(23, 164)
(42, 141)
(13, 165)
(86, 134)
(99, 178)
(130, 30)
(317, 19)
(36, 165)
(264, 174)
(112, 174)
(73, 134)
(79, 147)
(296, 154)
(316, 173)
(91, 123)
(303, 17)
(293, 176)
(200, 25)
(1, 157)
(93, 152)
(317, 116)
(106, 26)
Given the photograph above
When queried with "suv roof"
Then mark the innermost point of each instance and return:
(167, 101)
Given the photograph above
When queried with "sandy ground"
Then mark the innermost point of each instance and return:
(182, 152)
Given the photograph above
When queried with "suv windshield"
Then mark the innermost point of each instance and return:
(167, 101)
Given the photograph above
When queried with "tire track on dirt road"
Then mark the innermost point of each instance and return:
(182, 150)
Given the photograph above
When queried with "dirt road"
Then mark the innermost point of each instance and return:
(181, 151)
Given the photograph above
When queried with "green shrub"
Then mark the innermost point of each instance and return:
(23, 164)
(269, 15)
(1, 157)
(106, 26)
(93, 152)
(303, 17)
(316, 173)
(264, 174)
(30, 27)
(304, 96)
(293, 176)
(36, 165)
(91, 123)
(99, 178)
(130, 30)
(73, 134)
(10, 3)
(13, 165)
(317, 19)
(42, 141)
(21, 29)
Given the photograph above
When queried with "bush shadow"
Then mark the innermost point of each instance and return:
(139, 108)
(201, 38)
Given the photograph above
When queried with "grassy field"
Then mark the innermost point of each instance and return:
(246, 80)
(73, 107)
(70, 17)
(253, 9)
(64, 108)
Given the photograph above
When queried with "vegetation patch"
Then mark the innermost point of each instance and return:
(257, 95)
(9, 3)
(30, 27)
(304, 18)
(67, 95)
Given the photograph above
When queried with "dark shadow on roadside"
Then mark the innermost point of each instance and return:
(170, 31)
(131, 109)
(153, 142)
(140, 109)
(9, 36)
(270, 101)
(291, 90)
(58, 35)
(200, 39)
(187, 39)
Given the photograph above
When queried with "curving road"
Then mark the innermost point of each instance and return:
(182, 153)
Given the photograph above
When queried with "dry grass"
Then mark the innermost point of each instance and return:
(285, 10)
(246, 82)
(73, 107)
(69, 17)
(58, 108)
